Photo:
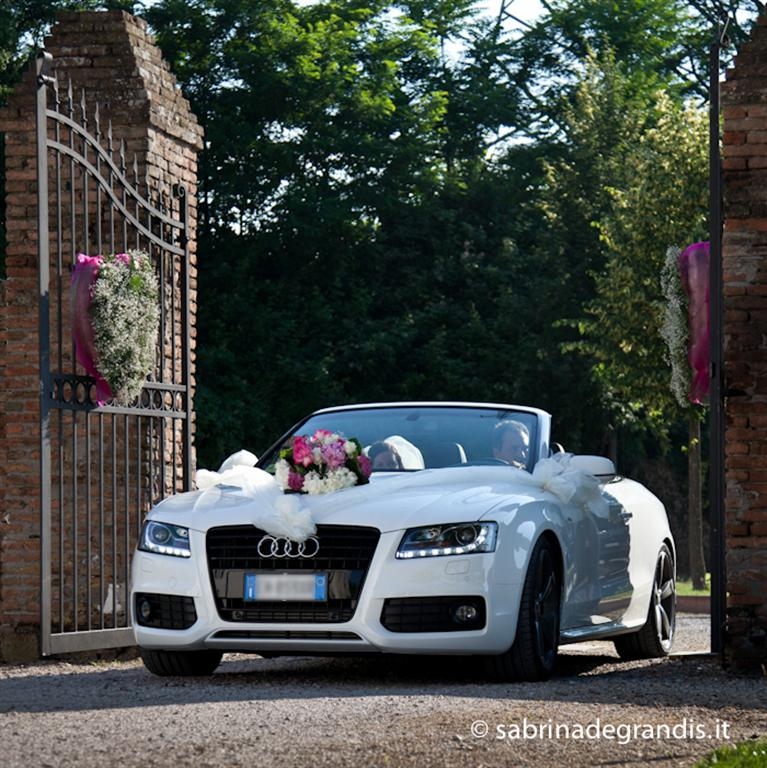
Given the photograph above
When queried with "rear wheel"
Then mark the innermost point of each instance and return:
(180, 663)
(533, 654)
(656, 637)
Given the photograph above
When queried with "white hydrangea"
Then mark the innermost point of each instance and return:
(334, 481)
(313, 483)
(341, 478)
(281, 472)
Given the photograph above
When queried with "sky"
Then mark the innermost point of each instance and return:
(526, 10)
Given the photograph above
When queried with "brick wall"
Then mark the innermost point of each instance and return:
(113, 59)
(744, 99)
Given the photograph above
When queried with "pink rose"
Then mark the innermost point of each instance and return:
(302, 452)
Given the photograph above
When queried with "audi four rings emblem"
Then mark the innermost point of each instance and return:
(281, 546)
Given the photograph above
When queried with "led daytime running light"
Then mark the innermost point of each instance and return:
(165, 539)
(417, 542)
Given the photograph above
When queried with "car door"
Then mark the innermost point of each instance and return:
(600, 588)
(614, 536)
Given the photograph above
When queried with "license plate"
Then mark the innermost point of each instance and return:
(286, 586)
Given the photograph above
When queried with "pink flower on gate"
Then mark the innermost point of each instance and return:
(693, 269)
(302, 451)
(84, 276)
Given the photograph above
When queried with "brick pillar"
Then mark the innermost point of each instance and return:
(113, 59)
(744, 99)
(19, 391)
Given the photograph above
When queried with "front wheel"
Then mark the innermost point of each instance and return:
(656, 637)
(533, 654)
(180, 663)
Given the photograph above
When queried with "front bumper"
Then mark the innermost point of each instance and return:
(383, 611)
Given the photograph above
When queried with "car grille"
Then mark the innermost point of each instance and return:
(431, 614)
(344, 555)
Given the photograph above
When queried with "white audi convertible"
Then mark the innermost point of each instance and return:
(407, 528)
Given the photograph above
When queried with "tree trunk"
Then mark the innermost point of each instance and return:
(694, 505)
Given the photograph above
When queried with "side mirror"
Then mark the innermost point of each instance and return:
(600, 466)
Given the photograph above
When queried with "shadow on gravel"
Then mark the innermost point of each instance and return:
(589, 679)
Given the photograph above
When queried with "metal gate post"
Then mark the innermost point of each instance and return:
(42, 69)
(716, 356)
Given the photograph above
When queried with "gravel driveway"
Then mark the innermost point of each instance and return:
(380, 711)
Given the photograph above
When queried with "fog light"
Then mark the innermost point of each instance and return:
(144, 609)
(465, 613)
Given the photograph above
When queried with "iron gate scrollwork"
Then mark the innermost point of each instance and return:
(102, 467)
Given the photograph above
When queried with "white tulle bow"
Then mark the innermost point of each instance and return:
(272, 510)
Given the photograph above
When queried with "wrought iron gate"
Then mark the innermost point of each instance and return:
(102, 467)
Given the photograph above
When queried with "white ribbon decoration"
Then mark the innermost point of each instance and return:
(275, 512)
(281, 514)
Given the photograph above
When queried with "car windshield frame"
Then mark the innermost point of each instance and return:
(434, 429)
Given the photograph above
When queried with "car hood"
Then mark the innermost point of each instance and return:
(388, 502)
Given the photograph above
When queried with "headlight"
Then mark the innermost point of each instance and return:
(164, 539)
(451, 539)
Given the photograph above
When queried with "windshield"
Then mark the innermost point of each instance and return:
(411, 437)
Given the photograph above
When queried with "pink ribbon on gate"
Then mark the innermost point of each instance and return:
(693, 267)
(84, 276)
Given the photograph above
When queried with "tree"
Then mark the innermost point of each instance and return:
(371, 224)
(659, 197)
(339, 114)
(668, 207)
(659, 43)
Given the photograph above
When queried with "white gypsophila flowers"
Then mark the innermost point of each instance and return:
(674, 329)
(125, 316)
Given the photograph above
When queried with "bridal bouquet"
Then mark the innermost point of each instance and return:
(321, 463)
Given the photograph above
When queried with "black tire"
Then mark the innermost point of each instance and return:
(180, 663)
(533, 655)
(655, 638)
